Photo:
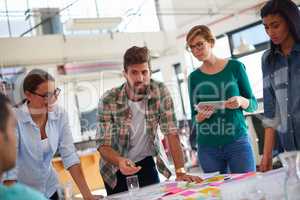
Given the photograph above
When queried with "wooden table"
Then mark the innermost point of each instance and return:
(90, 168)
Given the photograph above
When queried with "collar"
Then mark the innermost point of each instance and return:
(25, 116)
(295, 48)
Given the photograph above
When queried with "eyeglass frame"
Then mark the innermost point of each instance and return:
(48, 95)
(199, 45)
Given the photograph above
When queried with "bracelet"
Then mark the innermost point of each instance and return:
(180, 170)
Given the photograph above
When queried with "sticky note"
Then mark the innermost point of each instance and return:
(187, 193)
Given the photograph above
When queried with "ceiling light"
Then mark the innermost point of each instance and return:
(106, 23)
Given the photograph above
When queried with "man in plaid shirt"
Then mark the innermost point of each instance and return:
(128, 118)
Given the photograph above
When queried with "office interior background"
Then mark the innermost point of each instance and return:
(81, 43)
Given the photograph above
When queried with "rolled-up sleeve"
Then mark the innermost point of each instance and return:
(66, 146)
(167, 120)
(104, 127)
(271, 108)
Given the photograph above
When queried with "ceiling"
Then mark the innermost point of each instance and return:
(207, 12)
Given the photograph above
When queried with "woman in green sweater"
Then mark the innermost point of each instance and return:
(222, 135)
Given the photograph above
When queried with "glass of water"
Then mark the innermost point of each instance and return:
(132, 183)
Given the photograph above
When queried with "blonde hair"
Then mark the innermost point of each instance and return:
(203, 31)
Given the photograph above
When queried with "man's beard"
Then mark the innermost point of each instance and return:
(139, 89)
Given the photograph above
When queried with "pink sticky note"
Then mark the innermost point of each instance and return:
(174, 190)
(187, 193)
(241, 176)
(216, 184)
(171, 184)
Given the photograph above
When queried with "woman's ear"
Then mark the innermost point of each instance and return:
(28, 95)
(125, 74)
(212, 43)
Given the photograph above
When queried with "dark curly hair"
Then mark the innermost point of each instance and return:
(136, 55)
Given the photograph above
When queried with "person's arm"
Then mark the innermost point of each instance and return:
(271, 117)
(104, 132)
(246, 100)
(168, 126)
(177, 155)
(266, 162)
(70, 158)
(78, 177)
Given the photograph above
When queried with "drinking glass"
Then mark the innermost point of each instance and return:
(132, 183)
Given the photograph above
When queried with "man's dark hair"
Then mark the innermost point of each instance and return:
(4, 112)
(136, 55)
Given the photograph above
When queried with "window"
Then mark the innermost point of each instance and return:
(248, 33)
(254, 72)
(4, 31)
(81, 9)
(17, 6)
(222, 48)
(157, 75)
(138, 15)
(18, 26)
(37, 4)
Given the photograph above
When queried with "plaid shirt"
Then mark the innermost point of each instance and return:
(114, 117)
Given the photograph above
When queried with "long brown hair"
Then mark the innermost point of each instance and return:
(289, 11)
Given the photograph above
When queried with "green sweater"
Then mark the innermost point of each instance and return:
(224, 126)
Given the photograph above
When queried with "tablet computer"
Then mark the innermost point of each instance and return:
(215, 104)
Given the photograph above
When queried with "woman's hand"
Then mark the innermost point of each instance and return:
(205, 112)
(236, 102)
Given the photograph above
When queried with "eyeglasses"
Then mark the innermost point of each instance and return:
(198, 45)
(48, 95)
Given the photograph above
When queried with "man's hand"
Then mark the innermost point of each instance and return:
(188, 178)
(266, 163)
(127, 167)
(204, 112)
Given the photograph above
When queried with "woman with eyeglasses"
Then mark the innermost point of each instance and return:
(222, 135)
(42, 129)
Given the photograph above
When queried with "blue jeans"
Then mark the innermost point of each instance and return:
(236, 157)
